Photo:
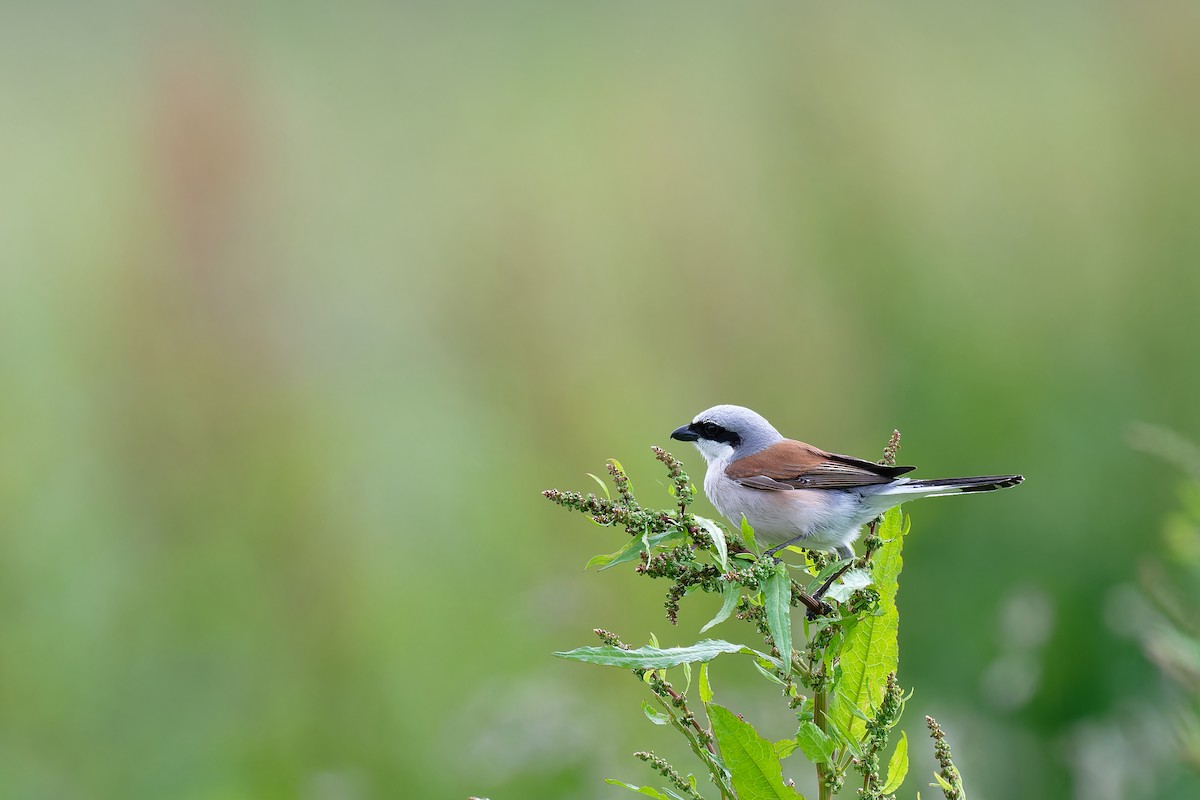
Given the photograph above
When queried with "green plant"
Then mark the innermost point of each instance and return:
(840, 681)
(1170, 581)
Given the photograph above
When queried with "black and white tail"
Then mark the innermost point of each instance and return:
(937, 487)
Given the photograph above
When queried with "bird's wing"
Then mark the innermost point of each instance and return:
(796, 465)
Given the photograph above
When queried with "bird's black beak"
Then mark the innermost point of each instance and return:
(684, 434)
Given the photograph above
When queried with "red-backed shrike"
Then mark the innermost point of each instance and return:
(795, 494)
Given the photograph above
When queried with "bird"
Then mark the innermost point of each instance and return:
(793, 493)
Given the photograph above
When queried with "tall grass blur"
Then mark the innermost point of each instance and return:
(302, 306)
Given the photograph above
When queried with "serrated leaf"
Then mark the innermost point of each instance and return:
(653, 657)
(748, 536)
(649, 791)
(706, 693)
(720, 547)
(816, 745)
(754, 768)
(731, 594)
(777, 603)
(654, 715)
(785, 747)
(871, 649)
(897, 768)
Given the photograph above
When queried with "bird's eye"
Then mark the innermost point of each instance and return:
(710, 430)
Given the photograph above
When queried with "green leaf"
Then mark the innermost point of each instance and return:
(649, 791)
(851, 745)
(945, 784)
(871, 649)
(654, 715)
(603, 485)
(848, 583)
(732, 592)
(809, 567)
(720, 548)
(785, 747)
(653, 657)
(748, 536)
(766, 673)
(633, 549)
(897, 768)
(751, 759)
(816, 745)
(777, 602)
(706, 693)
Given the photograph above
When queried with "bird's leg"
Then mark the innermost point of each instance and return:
(829, 581)
(844, 554)
(794, 540)
(819, 607)
(816, 606)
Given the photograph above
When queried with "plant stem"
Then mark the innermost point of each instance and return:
(706, 753)
(820, 708)
(681, 703)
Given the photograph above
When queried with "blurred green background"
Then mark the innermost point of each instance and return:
(302, 306)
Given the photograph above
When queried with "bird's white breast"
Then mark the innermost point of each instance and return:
(826, 518)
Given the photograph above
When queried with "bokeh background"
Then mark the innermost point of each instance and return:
(301, 306)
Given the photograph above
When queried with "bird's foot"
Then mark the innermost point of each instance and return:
(819, 609)
(829, 581)
(771, 553)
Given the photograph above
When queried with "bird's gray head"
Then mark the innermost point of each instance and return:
(726, 432)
